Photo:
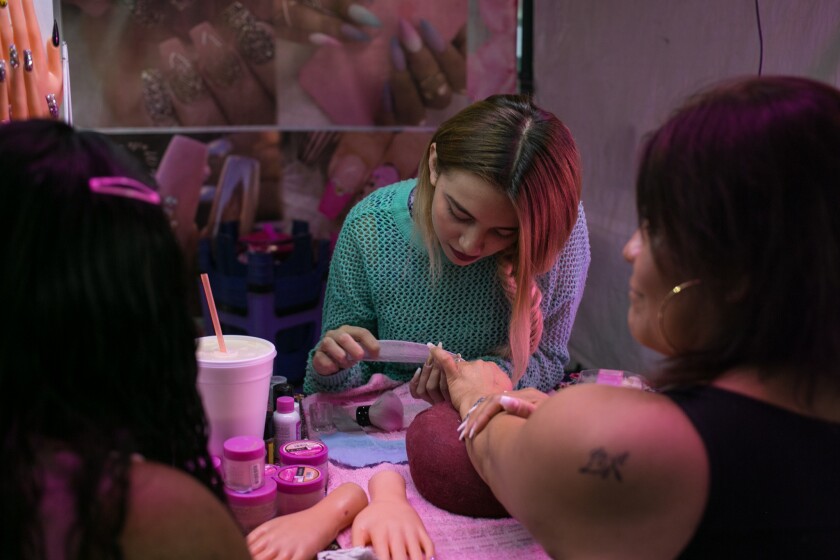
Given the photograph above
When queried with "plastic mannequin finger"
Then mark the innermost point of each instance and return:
(255, 42)
(408, 105)
(4, 93)
(46, 56)
(35, 101)
(18, 107)
(451, 61)
(240, 97)
(434, 89)
(191, 99)
(301, 535)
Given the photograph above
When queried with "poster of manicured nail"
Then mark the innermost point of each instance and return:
(289, 64)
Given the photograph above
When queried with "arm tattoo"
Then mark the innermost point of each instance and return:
(601, 464)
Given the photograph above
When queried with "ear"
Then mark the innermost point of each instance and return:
(433, 174)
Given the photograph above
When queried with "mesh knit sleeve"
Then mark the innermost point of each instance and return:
(347, 302)
(562, 289)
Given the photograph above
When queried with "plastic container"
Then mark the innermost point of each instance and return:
(306, 452)
(243, 462)
(286, 424)
(299, 487)
(254, 508)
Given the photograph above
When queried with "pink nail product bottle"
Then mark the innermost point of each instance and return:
(254, 508)
(243, 463)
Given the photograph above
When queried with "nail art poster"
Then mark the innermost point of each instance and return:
(413, 68)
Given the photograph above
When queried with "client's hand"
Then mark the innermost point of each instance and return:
(518, 403)
(301, 535)
(324, 22)
(389, 523)
(31, 77)
(468, 381)
(342, 348)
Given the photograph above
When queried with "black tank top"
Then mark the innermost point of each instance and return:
(774, 479)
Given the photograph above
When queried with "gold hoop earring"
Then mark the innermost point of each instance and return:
(676, 290)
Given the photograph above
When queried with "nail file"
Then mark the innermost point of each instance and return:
(400, 351)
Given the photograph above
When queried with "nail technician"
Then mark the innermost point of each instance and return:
(486, 251)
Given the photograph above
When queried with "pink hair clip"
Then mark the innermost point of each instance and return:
(124, 186)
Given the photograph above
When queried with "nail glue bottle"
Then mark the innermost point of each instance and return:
(286, 424)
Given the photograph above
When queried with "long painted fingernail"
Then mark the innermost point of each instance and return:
(363, 16)
(507, 401)
(461, 426)
(2, 70)
(13, 56)
(461, 435)
(323, 40)
(52, 106)
(56, 38)
(221, 65)
(397, 55)
(416, 373)
(156, 98)
(431, 36)
(472, 432)
(409, 36)
(354, 33)
(187, 84)
(27, 60)
(255, 42)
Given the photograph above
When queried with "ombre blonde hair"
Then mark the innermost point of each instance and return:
(530, 155)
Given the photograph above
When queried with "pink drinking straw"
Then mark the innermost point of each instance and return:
(208, 293)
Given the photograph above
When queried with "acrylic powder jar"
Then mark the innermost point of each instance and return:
(306, 452)
(254, 508)
(299, 487)
(243, 462)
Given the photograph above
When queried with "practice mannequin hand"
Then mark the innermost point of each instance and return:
(301, 535)
(342, 348)
(426, 72)
(324, 22)
(389, 523)
(31, 72)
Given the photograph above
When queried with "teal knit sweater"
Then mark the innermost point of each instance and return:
(380, 280)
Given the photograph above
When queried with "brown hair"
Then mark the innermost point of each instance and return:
(531, 156)
(739, 188)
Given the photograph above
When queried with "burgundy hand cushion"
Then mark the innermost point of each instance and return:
(441, 469)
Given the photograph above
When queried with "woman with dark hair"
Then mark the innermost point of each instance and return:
(487, 251)
(104, 438)
(736, 268)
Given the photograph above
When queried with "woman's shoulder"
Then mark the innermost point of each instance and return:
(173, 515)
(622, 459)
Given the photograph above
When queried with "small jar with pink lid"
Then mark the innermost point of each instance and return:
(254, 508)
(306, 452)
(243, 463)
(299, 487)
